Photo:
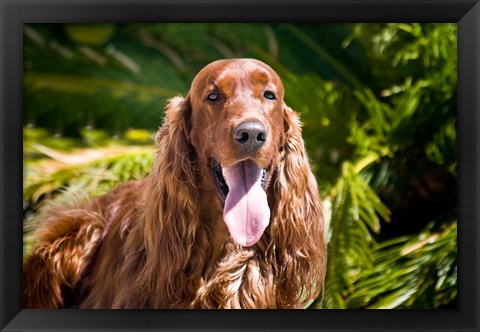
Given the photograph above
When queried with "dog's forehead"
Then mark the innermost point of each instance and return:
(240, 69)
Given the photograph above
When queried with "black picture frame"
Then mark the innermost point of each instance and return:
(14, 13)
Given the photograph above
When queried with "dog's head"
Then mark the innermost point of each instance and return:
(237, 122)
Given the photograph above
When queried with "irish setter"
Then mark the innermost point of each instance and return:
(230, 216)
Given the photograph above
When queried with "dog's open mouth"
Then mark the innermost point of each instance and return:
(222, 185)
(242, 188)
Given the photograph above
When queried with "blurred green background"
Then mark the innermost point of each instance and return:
(378, 104)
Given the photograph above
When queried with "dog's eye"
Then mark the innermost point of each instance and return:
(269, 95)
(214, 96)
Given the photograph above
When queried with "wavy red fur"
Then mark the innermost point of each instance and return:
(161, 242)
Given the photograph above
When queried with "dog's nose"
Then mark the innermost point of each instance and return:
(251, 134)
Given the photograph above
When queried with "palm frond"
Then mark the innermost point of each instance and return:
(408, 272)
(95, 171)
(356, 211)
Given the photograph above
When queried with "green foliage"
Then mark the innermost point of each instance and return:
(378, 106)
(355, 214)
(91, 168)
(95, 177)
(417, 272)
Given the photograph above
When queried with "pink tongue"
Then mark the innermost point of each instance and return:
(246, 210)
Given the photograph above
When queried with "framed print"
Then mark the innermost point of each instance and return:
(227, 155)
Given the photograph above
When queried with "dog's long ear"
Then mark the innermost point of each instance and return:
(171, 213)
(298, 225)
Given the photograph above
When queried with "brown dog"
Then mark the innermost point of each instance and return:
(230, 216)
